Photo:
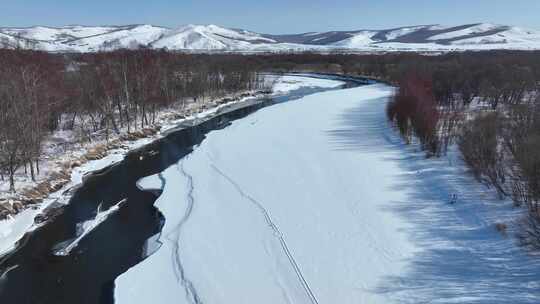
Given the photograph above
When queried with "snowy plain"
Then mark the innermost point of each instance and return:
(318, 201)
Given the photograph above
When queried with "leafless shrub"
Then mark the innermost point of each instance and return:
(480, 148)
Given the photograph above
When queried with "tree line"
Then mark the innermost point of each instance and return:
(102, 92)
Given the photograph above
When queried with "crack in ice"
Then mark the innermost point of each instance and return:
(277, 233)
(174, 238)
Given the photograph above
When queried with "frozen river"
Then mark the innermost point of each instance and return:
(276, 209)
(318, 201)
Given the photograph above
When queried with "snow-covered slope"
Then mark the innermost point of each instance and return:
(512, 36)
(82, 38)
(62, 34)
(472, 30)
(357, 41)
(7, 41)
(204, 38)
(210, 37)
(130, 37)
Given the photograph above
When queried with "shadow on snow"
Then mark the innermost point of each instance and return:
(461, 257)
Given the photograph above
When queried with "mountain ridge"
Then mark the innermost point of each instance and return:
(212, 38)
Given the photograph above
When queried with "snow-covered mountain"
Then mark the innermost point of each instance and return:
(204, 38)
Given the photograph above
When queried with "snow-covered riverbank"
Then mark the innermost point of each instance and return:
(15, 227)
(318, 201)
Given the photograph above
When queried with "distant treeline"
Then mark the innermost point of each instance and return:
(105, 92)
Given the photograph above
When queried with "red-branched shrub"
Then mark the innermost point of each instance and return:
(414, 111)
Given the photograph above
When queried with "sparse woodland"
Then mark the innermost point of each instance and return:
(101, 93)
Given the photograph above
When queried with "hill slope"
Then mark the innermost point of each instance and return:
(205, 38)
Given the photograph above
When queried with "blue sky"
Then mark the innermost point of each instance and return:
(276, 16)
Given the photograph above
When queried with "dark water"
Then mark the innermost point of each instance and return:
(87, 274)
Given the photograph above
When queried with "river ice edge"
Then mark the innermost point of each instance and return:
(13, 229)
